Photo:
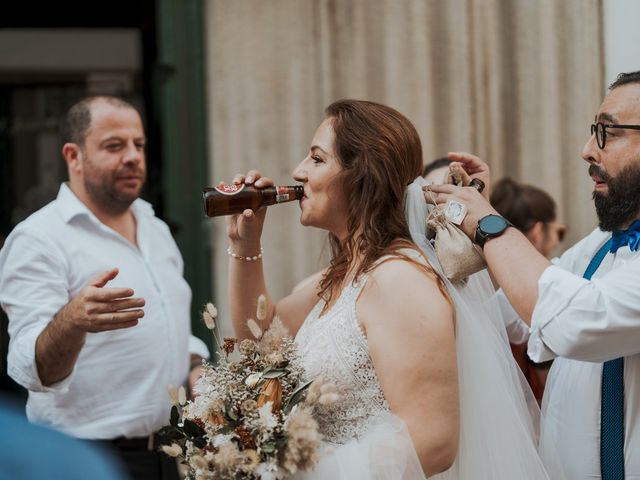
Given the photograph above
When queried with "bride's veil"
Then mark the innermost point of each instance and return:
(499, 417)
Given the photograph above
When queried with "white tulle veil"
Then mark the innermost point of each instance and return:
(499, 417)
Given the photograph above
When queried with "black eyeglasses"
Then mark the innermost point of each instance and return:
(600, 129)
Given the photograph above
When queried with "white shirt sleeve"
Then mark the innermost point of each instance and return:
(33, 288)
(198, 347)
(589, 320)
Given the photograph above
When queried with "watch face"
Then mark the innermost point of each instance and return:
(492, 224)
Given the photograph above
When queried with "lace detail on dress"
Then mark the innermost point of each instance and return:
(333, 345)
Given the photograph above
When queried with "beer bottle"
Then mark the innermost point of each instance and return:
(231, 199)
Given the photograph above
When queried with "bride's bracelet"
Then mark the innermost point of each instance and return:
(250, 258)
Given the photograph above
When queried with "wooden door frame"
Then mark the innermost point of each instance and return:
(180, 94)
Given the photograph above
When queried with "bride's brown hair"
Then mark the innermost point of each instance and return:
(380, 153)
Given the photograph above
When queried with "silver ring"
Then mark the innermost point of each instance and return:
(477, 184)
(455, 211)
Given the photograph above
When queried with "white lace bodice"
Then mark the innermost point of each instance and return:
(333, 345)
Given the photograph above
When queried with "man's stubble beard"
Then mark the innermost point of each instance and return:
(104, 193)
(621, 204)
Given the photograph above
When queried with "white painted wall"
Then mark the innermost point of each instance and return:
(621, 37)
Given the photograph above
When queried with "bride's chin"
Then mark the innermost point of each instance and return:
(303, 221)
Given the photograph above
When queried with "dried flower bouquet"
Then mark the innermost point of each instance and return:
(252, 417)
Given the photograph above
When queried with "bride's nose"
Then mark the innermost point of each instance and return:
(300, 173)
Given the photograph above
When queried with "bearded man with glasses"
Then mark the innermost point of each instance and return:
(583, 308)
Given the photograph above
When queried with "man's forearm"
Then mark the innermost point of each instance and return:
(57, 349)
(516, 266)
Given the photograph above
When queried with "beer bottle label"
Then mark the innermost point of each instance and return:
(230, 189)
(282, 194)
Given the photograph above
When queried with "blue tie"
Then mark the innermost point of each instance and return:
(612, 389)
(630, 237)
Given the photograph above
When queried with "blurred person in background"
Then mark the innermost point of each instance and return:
(33, 452)
(437, 171)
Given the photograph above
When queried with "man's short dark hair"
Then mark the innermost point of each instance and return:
(76, 122)
(625, 79)
(437, 163)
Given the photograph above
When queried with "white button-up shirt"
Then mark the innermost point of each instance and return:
(585, 323)
(119, 384)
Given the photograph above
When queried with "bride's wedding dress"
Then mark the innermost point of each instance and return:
(334, 346)
(366, 441)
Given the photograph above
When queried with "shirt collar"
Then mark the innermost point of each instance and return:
(70, 206)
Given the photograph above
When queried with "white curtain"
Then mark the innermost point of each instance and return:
(515, 81)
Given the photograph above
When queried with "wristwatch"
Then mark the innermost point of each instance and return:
(489, 227)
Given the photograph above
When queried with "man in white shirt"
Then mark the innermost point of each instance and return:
(584, 309)
(98, 308)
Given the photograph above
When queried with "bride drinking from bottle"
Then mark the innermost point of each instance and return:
(426, 381)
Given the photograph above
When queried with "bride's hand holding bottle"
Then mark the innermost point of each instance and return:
(246, 276)
(244, 230)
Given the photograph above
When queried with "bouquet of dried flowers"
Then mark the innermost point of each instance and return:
(253, 416)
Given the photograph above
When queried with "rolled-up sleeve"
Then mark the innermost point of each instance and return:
(33, 288)
(589, 320)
